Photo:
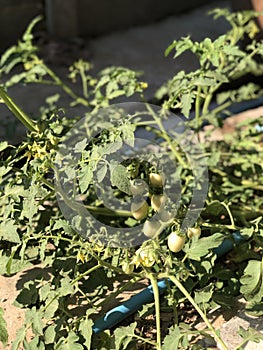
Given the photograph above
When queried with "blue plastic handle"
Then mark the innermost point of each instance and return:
(117, 314)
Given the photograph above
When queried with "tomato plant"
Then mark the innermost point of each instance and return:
(86, 266)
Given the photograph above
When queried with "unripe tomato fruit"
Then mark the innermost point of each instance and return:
(194, 232)
(150, 228)
(156, 180)
(166, 215)
(139, 210)
(127, 267)
(158, 201)
(138, 187)
(175, 242)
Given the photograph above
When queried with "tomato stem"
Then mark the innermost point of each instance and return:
(157, 310)
(201, 313)
(17, 111)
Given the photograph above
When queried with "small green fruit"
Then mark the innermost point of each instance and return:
(194, 232)
(175, 242)
(139, 210)
(150, 228)
(156, 180)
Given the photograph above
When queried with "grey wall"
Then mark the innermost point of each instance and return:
(15, 15)
(69, 18)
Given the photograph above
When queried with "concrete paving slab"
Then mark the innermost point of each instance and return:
(142, 48)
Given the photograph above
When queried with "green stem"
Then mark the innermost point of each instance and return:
(78, 207)
(220, 226)
(84, 82)
(201, 313)
(144, 340)
(110, 266)
(222, 107)
(157, 310)
(230, 215)
(167, 137)
(207, 103)
(17, 111)
(65, 87)
(88, 272)
(197, 111)
(109, 212)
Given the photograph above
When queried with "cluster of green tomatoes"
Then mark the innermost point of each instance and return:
(140, 209)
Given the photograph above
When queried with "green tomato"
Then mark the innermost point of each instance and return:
(175, 242)
(166, 215)
(194, 232)
(138, 187)
(156, 180)
(139, 210)
(127, 267)
(150, 228)
(158, 201)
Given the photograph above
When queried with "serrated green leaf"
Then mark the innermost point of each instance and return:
(8, 231)
(44, 292)
(3, 330)
(187, 100)
(85, 177)
(51, 308)
(252, 281)
(20, 336)
(123, 334)
(34, 317)
(146, 310)
(15, 265)
(250, 334)
(80, 146)
(247, 232)
(101, 171)
(115, 94)
(120, 178)
(255, 309)
(69, 343)
(204, 295)
(113, 147)
(127, 131)
(171, 341)
(30, 203)
(50, 334)
(4, 170)
(201, 247)
(85, 329)
(34, 344)
(66, 286)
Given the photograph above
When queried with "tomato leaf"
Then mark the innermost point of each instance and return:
(3, 330)
(201, 247)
